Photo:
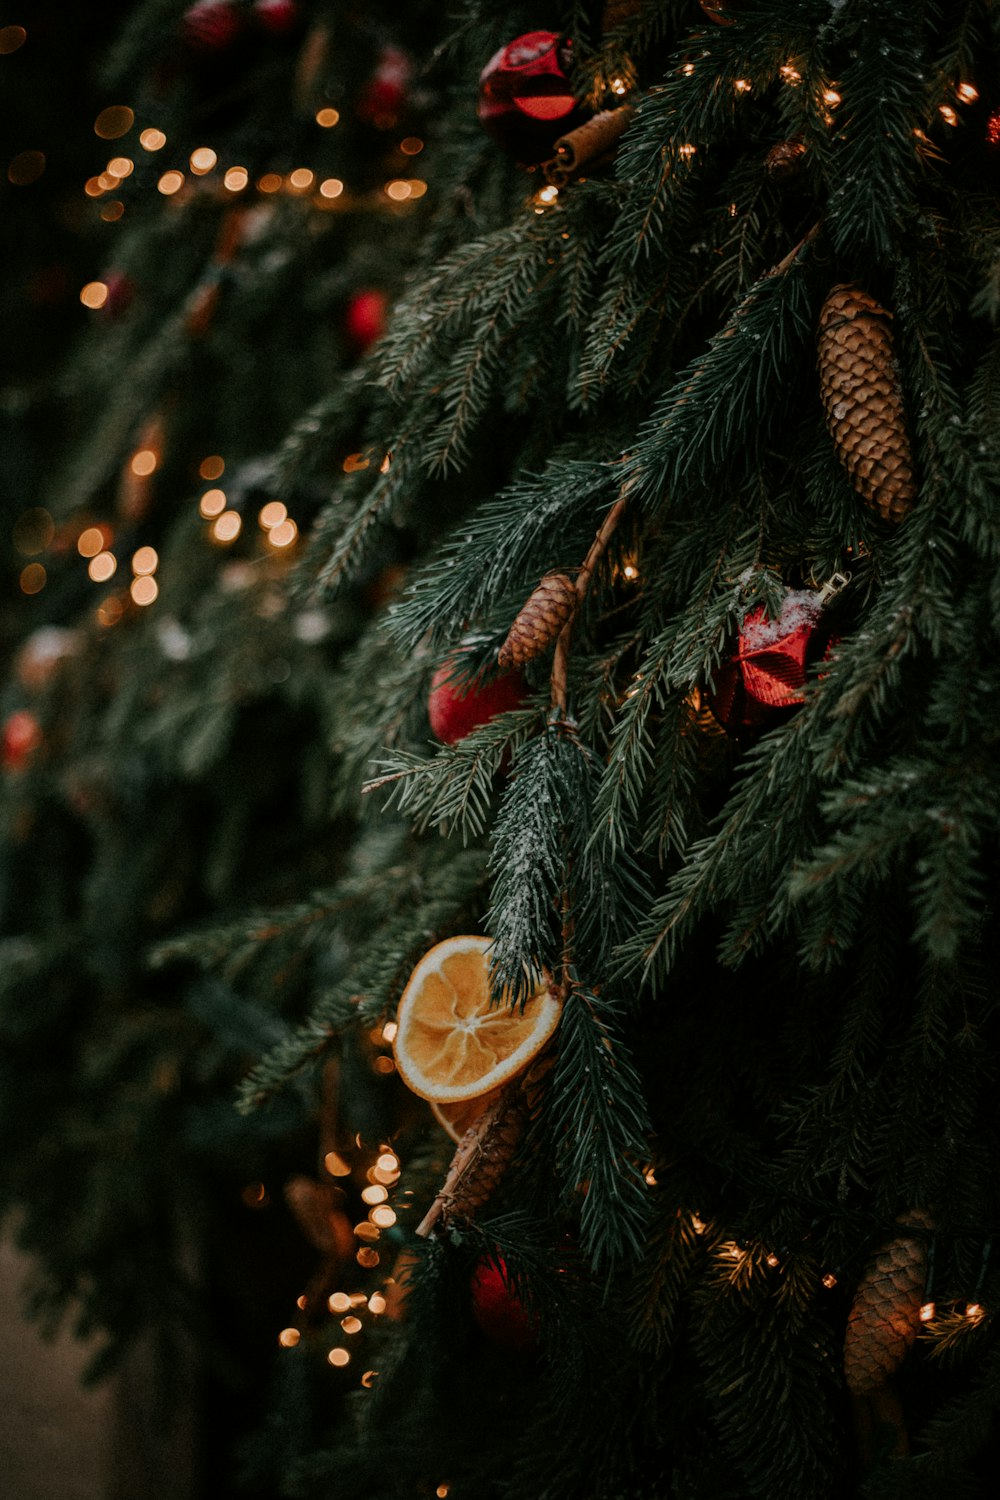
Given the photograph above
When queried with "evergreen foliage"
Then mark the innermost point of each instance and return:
(773, 941)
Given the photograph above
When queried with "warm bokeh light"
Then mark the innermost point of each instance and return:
(368, 1379)
(11, 37)
(384, 1065)
(374, 1193)
(351, 1325)
(228, 527)
(143, 462)
(143, 590)
(331, 187)
(327, 117)
(114, 121)
(236, 179)
(968, 93)
(212, 467)
(398, 190)
(33, 578)
(202, 160)
(367, 1257)
(145, 560)
(102, 567)
(120, 166)
(26, 168)
(284, 534)
(377, 1303)
(272, 514)
(269, 183)
(93, 187)
(289, 1337)
(339, 1302)
(411, 146)
(112, 212)
(336, 1165)
(830, 96)
(33, 531)
(152, 140)
(301, 179)
(91, 541)
(947, 114)
(383, 1217)
(213, 503)
(339, 1357)
(110, 610)
(94, 294)
(170, 182)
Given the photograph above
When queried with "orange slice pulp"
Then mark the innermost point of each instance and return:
(450, 1044)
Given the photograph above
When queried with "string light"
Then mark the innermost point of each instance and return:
(546, 197)
(351, 1325)
(831, 97)
(339, 1357)
(619, 86)
(927, 1312)
(114, 121)
(441, 1491)
(102, 567)
(289, 1337)
(269, 183)
(384, 1065)
(227, 527)
(368, 1379)
(112, 212)
(377, 1303)
(412, 145)
(212, 503)
(367, 1257)
(790, 75)
(143, 462)
(235, 179)
(698, 1224)
(383, 1217)
(284, 534)
(109, 611)
(144, 591)
(331, 187)
(212, 467)
(33, 578)
(202, 160)
(773, 1261)
(829, 1281)
(967, 92)
(94, 294)
(389, 1033)
(688, 69)
(120, 167)
(947, 114)
(742, 85)
(145, 560)
(301, 180)
(91, 541)
(152, 139)
(374, 1193)
(302, 1302)
(993, 128)
(388, 1161)
(398, 190)
(170, 183)
(336, 1165)
(327, 117)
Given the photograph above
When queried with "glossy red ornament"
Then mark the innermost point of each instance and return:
(498, 1309)
(456, 709)
(211, 25)
(525, 99)
(384, 96)
(279, 17)
(19, 739)
(767, 673)
(365, 317)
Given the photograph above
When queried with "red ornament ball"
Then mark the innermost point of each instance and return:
(365, 317)
(498, 1310)
(211, 25)
(767, 673)
(525, 99)
(279, 17)
(19, 739)
(456, 709)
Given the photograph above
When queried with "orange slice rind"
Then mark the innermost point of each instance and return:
(450, 1044)
(455, 1119)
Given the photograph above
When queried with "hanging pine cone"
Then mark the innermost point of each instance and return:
(540, 620)
(785, 159)
(863, 402)
(885, 1317)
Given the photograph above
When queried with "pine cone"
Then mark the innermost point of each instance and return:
(885, 1317)
(863, 401)
(785, 159)
(540, 620)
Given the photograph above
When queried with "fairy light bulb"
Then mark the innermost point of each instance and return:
(927, 1312)
(967, 92)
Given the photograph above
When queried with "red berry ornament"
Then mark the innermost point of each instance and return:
(456, 709)
(211, 26)
(364, 319)
(525, 99)
(279, 17)
(767, 673)
(20, 738)
(498, 1310)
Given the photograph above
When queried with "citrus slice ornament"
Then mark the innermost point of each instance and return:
(450, 1044)
(455, 1119)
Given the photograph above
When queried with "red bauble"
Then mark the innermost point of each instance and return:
(121, 291)
(455, 710)
(767, 673)
(20, 738)
(525, 99)
(364, 317)
(498, 1310)
(211, 25)
(384, 96)
(280, 17)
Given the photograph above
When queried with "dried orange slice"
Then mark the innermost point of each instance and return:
(450, 1045)
(455, 1119)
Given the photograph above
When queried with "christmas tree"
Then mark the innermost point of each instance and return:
(626, 1043)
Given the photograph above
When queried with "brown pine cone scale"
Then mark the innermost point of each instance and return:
(885, 1317)
(540, 620)
(863, 401)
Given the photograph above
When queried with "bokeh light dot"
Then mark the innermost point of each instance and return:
(102, 567)
(114, 121)
(152, 139)
(170, 183)
(144, 590)
(145, 560)
(327, 117)
(228, 526)
(94, 294)
(213, 503)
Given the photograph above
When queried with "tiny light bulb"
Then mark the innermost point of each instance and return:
(927, 1312)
